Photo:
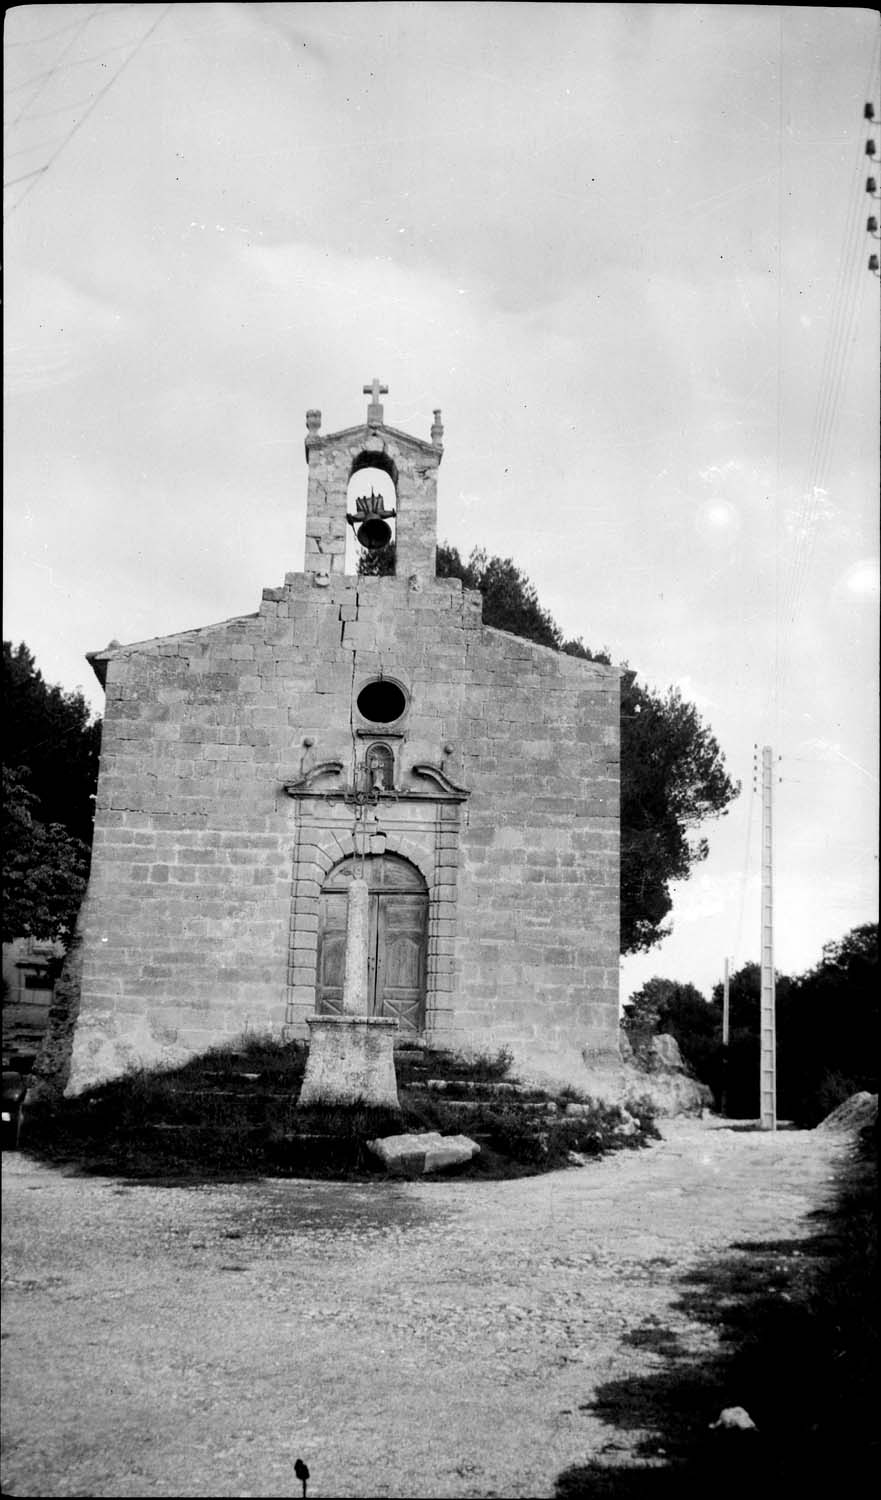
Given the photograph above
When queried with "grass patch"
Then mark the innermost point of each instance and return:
(233, 1112)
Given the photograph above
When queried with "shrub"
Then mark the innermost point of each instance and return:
(233, 1111)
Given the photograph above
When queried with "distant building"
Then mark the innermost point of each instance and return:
(30, 969)
(246, 767)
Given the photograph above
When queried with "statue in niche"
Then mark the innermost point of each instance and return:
(380, 769)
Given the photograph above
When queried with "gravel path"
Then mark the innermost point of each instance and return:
(424, 1339)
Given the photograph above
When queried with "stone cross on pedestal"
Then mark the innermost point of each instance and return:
(354, 1001)
(374, 408)
(351, 1055)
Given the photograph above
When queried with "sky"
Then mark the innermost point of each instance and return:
(624, 248)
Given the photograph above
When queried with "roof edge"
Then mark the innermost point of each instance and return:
(321, 439)
(98, 660)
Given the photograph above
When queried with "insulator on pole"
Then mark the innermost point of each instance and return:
(871, 226)
(870, 148)
(868, 111)
(871, 185)
(873, 263)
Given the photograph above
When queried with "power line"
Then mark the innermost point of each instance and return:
(50, 36)
(25, 175)
(59, 109)
(25, 150)
(96, 101)
(77, 62)
(54, 69)
(830, 391)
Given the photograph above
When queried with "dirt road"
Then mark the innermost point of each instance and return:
(426, 1339)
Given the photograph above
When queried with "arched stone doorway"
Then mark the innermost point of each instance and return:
(396, 944)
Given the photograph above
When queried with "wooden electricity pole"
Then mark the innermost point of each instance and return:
(767, 1030)
(725, 1028)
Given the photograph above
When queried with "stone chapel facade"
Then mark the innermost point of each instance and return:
(247, 766)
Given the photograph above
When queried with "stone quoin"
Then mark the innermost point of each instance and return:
(354, 724)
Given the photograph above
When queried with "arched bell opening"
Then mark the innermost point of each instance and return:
(397, 939)
(371, 511)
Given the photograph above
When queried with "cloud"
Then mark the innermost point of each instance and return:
(55, 331)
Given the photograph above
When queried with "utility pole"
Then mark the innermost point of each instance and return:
(767, 1032)
(725, 1020)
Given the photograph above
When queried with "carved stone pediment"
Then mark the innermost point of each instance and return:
(448, 789)
(305, 786)
(439, 789)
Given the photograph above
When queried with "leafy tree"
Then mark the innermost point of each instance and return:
(673, 776)
(827, 1029)
(673, 779)
(50, 773)
(44, 868)
(826, 1026)
(50, 733)
(509, 599)
(379, 563)
(665, 1006)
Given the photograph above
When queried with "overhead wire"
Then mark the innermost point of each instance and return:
(25, 150)
(93, 106)
(54, 69)
(830, 390)
(49, 36)
(25, 175)
(59, 109)
(829, 396)
(76, 62)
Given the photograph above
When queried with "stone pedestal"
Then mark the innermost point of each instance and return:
(351, 1061)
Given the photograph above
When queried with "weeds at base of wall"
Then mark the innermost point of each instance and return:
(233, 1113)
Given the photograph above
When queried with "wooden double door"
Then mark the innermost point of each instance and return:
(396, 943)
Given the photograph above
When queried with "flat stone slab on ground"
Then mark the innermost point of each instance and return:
(420, 1152)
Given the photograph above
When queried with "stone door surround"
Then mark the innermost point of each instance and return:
(423, 830)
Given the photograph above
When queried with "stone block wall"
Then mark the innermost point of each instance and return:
(411, 464)
(202, 915)
(539, 917)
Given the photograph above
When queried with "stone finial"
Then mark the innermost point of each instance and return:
(313, 420)
(375, 415)
(437, 429)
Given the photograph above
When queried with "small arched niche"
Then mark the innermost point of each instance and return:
(379, 765)
(373, 482)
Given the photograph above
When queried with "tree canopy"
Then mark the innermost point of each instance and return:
(44, 868)
(52, 733)
(673, 776)
(50, 773)
(826, 1030)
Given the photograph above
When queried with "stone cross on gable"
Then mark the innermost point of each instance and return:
(374, 409)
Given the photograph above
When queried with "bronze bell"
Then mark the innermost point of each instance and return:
(372, 522)
(374, 533)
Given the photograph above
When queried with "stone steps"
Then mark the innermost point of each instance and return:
(463, 1099)
(487, 1088)
(522, 1106)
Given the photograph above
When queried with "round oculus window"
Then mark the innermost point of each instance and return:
(381, 701)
